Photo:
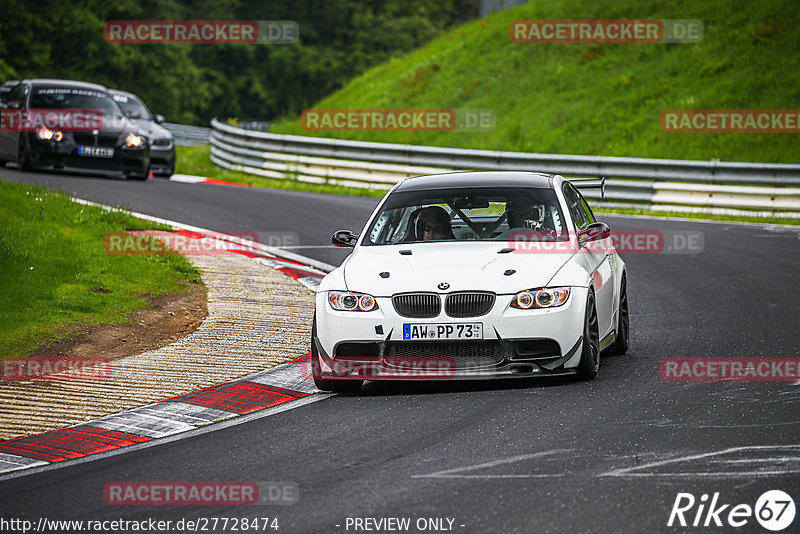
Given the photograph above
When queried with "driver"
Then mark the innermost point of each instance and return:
(522, 215)
(433, 223)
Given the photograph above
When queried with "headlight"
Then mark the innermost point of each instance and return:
(133, 141)
(543, 297)
(48, 134)
(347, 301)
(163, 143)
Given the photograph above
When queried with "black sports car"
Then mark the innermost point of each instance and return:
(162, 144)
(62, 124)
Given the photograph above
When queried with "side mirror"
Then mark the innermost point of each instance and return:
(594, 232)
(13, 104)
(344, 238)
(159, 119)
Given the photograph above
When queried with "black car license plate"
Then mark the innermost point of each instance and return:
(96, 151)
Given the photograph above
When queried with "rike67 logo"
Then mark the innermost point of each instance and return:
(774, 511)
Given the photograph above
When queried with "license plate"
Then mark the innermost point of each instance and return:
(420, 331)
(96, 151)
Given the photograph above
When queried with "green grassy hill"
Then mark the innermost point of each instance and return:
(598, 99)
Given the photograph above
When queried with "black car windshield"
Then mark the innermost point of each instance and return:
(133, 107)
(73, 98)
(466, 214)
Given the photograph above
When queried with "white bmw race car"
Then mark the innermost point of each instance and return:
(472, 275)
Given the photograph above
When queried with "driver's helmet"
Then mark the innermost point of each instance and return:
(521, 214)
(433, 223)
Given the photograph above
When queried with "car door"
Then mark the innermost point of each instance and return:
(9, 136)
(608, 268)
(597, 259)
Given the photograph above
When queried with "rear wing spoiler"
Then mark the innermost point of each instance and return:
(592, 183)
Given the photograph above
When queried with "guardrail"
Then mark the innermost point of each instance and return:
(676, 185)
(188, 135)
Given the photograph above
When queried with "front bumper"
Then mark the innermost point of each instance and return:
(64, 155)
(162, 160)
(516, 343)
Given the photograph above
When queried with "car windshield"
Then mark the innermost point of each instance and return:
(466, 214)
(133, 107)
(73, 98)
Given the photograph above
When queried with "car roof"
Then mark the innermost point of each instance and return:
(48, 82)
(477, 179)
(125, 93)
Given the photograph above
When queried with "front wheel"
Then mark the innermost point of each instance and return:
(138, 177)
(325, 384)
(590, 350)
(620, 345)
(24, 154)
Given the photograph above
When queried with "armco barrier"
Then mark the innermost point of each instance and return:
(188, 135)
(677, 185)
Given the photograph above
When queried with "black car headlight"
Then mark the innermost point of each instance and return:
(543, 297)
(134, 141)
(349, 301)
(165, 142)
(47, 134)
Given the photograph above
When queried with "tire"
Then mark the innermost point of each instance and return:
(24, 154)
(323, 384)
(620, 345)
(167, 174)
(140, 177)
(590, 348)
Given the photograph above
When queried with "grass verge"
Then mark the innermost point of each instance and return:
(56, 274)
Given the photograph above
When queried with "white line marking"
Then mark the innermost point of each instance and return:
(288, 375)
(628, 471)
(12, 462)
(187, 178)
(450, 473)
(759, 460)
(738, 474)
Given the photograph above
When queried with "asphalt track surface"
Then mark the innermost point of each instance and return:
(609, 455)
